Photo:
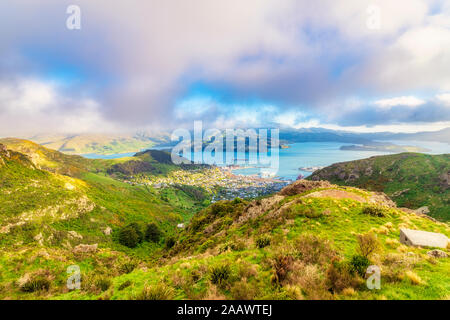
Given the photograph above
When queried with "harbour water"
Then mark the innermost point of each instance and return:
(308, 154)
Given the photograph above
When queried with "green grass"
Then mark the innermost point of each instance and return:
(419, 176)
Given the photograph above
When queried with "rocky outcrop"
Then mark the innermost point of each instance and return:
(85, 248)
(437, 254)
(301, 186)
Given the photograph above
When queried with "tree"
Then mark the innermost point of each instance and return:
(152, 233)
(131, 235)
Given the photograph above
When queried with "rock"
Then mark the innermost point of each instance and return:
(437, 254)
(39, 238)
(107, 231)
(399, 193)
(74, 235)
(423, 210)
(301, 186)
(418, 238)
(180, 225)
(85, 248)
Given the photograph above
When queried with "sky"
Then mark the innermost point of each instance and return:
(135, 65)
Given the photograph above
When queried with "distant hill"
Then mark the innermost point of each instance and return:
(101, 143)
(412, 180)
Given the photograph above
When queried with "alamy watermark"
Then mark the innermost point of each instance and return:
(259, 148)
(74, 279)
(374, 278)
(73, 22)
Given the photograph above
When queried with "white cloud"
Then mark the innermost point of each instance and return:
(29, 106)
(408, 101)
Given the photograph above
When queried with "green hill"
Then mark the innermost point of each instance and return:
(309, 241)
(412, 180)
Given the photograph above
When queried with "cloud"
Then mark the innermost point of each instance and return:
(133, 63)
(408, 101)
(28, 106)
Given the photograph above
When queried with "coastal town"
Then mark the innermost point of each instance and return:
(219, 182)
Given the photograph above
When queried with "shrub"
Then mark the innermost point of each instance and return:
(243, 291)
(375, 211)
(339, 277)
(103, 283)
(159, 291)
(414, 278)
(125, 284)
(170, 242)
(131, 235)
(312, 213)
(368, 244)
(128, 267)
(220, 274)
(282, 264)
(313, 250)
(262, 242)
(359, 264)
(152, 233)
(35, 284)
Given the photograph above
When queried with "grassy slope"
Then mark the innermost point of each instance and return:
(41, 206)
(214, 238)
(421, 174)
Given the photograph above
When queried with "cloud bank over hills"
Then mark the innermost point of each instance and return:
(152, 64)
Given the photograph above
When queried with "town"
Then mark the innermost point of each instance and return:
(219, 182)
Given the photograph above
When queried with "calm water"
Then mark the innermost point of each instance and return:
(310, 154)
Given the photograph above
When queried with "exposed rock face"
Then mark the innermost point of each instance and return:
(107, 231)
(437, 253)
(418, 238)
(85, 248)
(301, 186)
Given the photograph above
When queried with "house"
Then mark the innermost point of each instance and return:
(418, 238)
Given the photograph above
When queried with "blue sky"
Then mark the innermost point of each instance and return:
(163, 64)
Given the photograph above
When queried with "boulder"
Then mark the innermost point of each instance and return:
(107, 231)
(418, 238)
(437, 254)
(85, 248)
(74, 235)
(422, 210)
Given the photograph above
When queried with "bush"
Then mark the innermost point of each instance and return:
(152, 233)
(157, 292)
(125, 284)
(368, 244)
(131, 235)
(103, 283)
(128, 267)
(220, 274)
(375, 211)
(359, 264)
(313, 250)
(282, 264)
(339, 277)
(262, 242)
(170, 242)
(35, 284)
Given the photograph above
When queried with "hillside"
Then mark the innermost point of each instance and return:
(310, 241)
(100, 143)
(412, 180)
(306, 242)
